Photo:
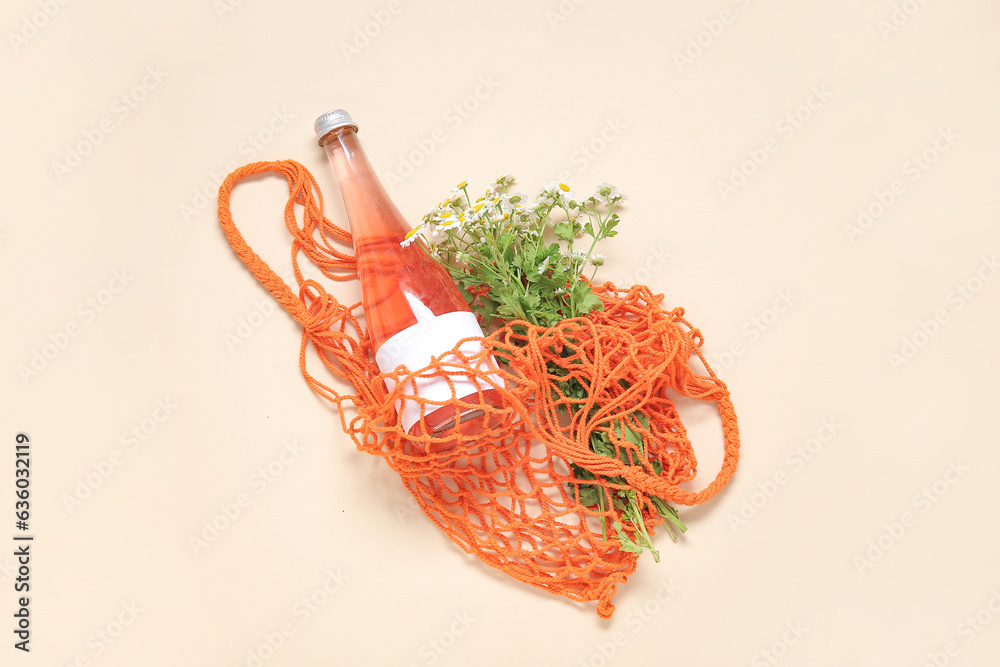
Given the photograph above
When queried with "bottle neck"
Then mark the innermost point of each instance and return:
(370, 210)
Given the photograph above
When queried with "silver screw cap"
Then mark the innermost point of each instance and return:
(331, 120)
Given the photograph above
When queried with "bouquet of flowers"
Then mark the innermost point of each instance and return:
(521, 263)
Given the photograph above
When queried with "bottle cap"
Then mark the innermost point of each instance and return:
(331, 120)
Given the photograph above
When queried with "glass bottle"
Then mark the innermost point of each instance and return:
(413, 309)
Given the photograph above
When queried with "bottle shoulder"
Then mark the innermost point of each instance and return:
(400, 287)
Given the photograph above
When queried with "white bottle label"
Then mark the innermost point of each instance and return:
(413, 348)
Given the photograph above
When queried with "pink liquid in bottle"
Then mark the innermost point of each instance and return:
(412, 307)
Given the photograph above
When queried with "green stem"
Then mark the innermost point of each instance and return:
(604, 518)
(638, 522)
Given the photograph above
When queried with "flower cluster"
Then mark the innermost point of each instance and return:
(521, 261)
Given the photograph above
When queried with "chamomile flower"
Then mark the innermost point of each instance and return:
(505, 180)
(516, 204)
(545, 199)
(518, 199)
(574, 255)
(462, 186)
(608, 192)
(598, 259)
(479, 210)
(555, 193)
(562, 193)
(411, 236)
(450, 220)
(436, 213)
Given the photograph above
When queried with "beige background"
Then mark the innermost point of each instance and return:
(164, 98)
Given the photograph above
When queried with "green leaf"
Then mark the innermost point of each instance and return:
(611, 223)
(528, 254)
(588, 301)
(529, 302)
(626, 542)
(508, 255)
(632, 436)
(630, 457)
(602, 447)
(564, 230)
(581, 473)
(621, 500)
(586, 494)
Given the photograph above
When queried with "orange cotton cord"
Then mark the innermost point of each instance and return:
(509, 496)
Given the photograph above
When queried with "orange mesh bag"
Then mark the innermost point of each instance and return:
(513, 495)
